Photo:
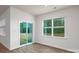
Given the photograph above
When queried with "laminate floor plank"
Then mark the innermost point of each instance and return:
(33, 48)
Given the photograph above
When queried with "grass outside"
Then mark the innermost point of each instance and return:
(29, 37)
(23, 39)
(59, 34)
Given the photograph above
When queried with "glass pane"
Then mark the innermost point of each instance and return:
(47, 31)
(23, 27)
(58, 21)
(29, 32)
(47, 23)
(29, 28)
(59, 32)
(29, 38)
(23, 38)
(23, 33)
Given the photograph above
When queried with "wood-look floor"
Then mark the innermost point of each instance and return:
(3, 49)
(33, 48)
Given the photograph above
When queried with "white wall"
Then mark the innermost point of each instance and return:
(5, 28)
(13, 16)
(71, 39)
(17, 16)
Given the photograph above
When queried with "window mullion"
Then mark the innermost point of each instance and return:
(52, 27)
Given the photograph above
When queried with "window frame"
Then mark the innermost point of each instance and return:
(52, 35)
(21, 21)
(46, 27)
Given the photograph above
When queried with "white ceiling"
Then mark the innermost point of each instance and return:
(40, 9)
(35, 9)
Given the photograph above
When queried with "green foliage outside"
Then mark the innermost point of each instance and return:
(48, 23)
(23, 39)
(59, 32)
(58, 22)
(48, 31)
(25, 33)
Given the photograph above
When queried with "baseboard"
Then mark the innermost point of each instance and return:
(20, 46)
(61, 48)
(77, 51)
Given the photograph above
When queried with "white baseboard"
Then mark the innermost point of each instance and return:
(71, 50)
(20, 46)
(77, 51)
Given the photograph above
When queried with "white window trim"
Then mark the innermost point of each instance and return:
(52, 29)
(45, 27)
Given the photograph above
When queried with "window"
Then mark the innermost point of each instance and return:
(57, 28)
(47, 30)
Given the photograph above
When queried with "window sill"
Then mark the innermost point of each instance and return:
(59, 37)
(55, 37)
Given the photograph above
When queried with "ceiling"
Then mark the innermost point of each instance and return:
(35, 9)
(40, 9)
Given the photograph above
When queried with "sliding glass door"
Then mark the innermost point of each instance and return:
(29, 32)
(25, 33)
